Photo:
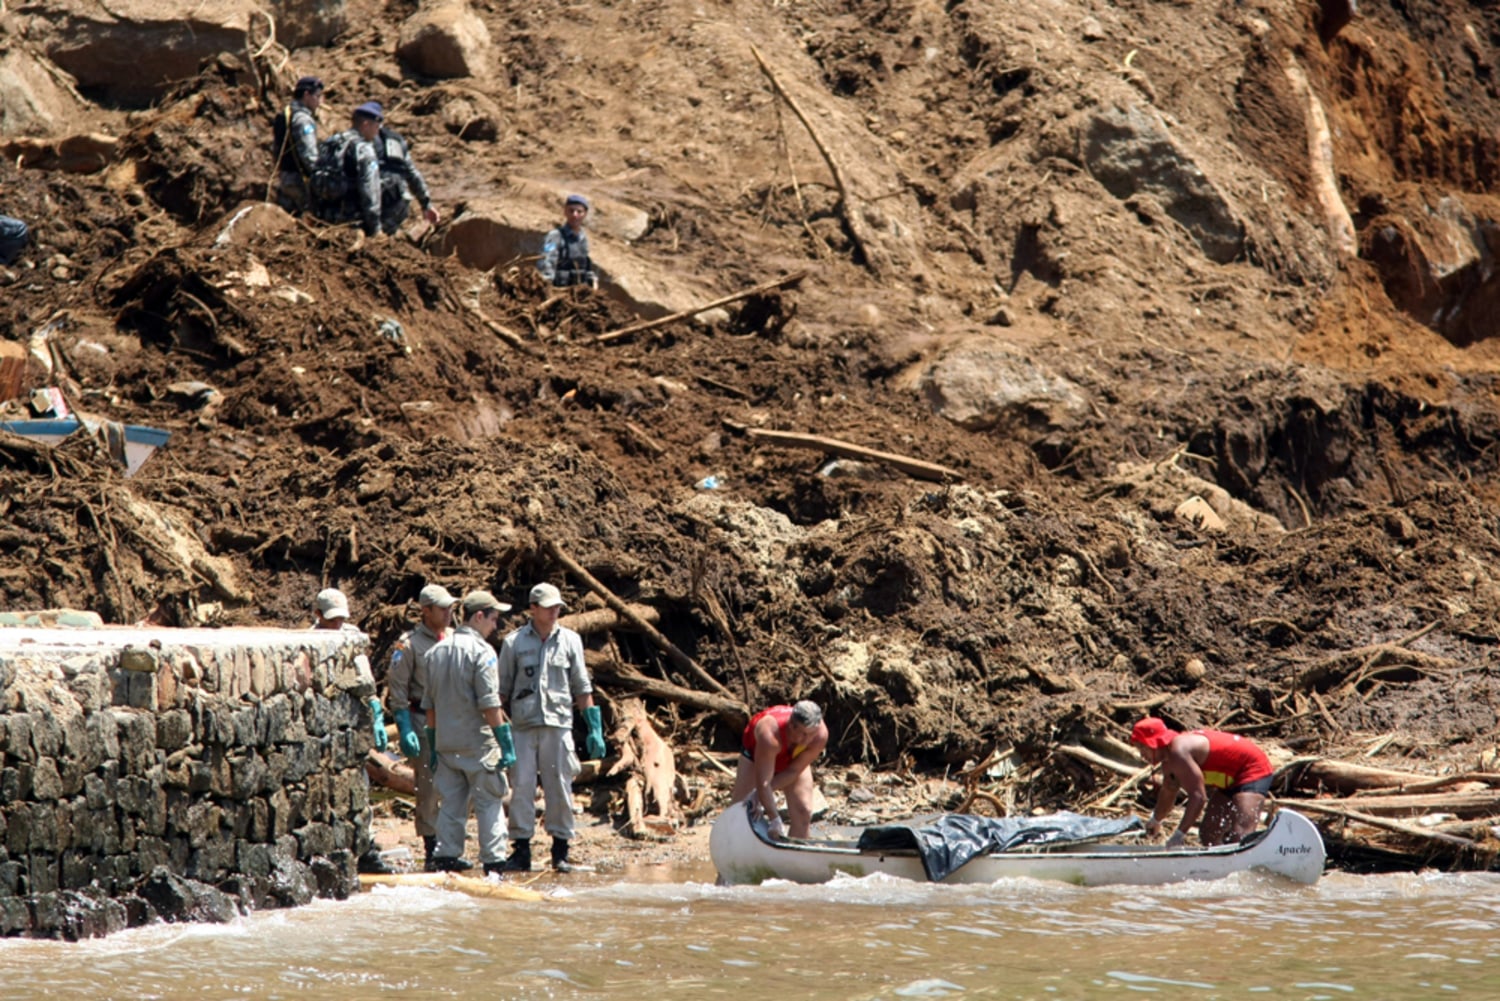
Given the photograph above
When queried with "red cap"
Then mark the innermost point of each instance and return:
(1152, 732)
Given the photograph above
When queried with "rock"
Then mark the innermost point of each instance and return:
(444, 39)
(102, 47)
(1131, 152)
(176, 899)
(491, 232)
(1196, 512)
(301, 23)
(32, 102)
(980, 384)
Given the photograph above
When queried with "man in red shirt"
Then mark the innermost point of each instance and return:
(1225, 777)
(777, 750)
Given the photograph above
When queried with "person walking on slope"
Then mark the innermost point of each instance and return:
(406, 681)
(542, 677)
(1225, 776)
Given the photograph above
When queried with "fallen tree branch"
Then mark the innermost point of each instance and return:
(1466, 805)
(915, 468)
(1084, 754)
(604, 619)
(674, 654)
(1339, 665)
(846, 203)
(605, 668)
(1309, 806)
(683, 314)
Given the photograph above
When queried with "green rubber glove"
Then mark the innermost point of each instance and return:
(431, 747)
(594, 743)
(379, 719)
(507, 745)
(411, 744)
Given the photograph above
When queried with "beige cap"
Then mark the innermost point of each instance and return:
(482, 601)
(436, 594)
(332, 604)
(547, 596)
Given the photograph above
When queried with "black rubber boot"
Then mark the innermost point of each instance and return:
(429, 848)
(438, 863)
(519, 859)
(560, 855)
(372, 864)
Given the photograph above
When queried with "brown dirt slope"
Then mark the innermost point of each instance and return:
(1338, 410)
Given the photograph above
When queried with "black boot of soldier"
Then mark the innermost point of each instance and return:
(429, 846)
(560, 855)
(519, 859)
(370, 863)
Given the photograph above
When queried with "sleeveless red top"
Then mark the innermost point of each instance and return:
(1232, 760)
(783, 716)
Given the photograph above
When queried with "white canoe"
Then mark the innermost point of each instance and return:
(744, 853)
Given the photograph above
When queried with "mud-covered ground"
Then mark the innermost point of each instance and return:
(1047, 595)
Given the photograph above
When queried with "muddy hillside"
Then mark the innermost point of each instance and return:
(1109, 357)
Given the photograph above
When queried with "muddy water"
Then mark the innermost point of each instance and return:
(665, 935)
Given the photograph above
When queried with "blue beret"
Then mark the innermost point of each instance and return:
(306, 84)
(370, 109)
(576, 200)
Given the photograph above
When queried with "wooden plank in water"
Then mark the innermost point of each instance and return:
(474, 886)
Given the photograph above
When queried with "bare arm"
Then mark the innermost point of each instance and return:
(767, 747)
(1180, 770)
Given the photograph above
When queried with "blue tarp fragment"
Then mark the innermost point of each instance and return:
(949, 842)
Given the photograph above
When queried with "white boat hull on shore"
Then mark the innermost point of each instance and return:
(1290, 847)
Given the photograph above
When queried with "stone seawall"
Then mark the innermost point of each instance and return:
(188, 774)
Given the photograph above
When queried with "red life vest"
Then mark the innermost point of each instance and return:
(783, 717)
(1232, 760)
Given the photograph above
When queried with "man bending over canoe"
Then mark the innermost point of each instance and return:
(1225, 777)
(776, 755)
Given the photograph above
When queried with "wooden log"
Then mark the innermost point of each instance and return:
(604, 619)
(390, 775)
(605, 668)
(683, 314)
(674, 654)
(1344, 778)
(1467, 805)
(1312, 806)
(1110, 764)
(915, 468)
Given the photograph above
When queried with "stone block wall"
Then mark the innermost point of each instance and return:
(177, 774)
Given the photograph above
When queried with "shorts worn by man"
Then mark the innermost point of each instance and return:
(471, 741)
(777, 750)
(294, 145)
(1225, 776)
(542, 677)
(406, 681)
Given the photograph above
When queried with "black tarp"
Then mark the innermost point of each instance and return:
(947, 843)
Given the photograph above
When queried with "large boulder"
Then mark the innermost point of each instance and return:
(980, 384)
(1130, 151)
(444, 39)
(301, 23)
(130, 52)
(32, 100)
(1440, 263)
(496, 232)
